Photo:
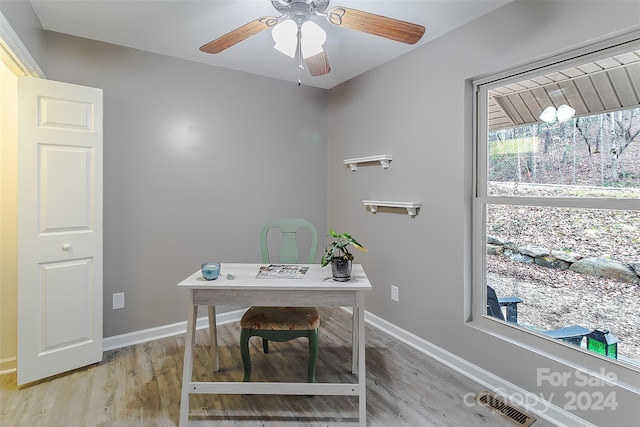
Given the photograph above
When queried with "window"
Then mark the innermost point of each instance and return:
(557, 202)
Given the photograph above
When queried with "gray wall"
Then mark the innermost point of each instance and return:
(26, 25)
(418, 108)
(196, 160)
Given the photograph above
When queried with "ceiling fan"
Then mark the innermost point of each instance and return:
(295, 33)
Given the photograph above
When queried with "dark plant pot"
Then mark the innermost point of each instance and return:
(341, 269)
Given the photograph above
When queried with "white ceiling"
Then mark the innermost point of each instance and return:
(179, 27)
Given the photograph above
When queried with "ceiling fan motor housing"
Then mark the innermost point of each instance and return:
(300, 11)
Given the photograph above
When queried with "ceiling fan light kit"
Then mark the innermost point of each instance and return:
(287, 35)
(312, 39)
(548, 115)
(561, 114)
(281, 34)
(294, 32)
(565, 113)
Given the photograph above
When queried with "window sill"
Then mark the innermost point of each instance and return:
(614, 371)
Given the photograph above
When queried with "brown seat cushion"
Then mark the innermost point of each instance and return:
(281, 318)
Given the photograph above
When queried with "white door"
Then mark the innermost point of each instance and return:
(59, 227)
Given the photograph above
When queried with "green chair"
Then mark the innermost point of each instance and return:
(283, 323)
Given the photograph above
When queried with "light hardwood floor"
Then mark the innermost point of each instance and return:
(140, 386)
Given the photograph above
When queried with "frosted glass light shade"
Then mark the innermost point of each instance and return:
(313, 37)
(565, 113)
(562, 114)
(548, 114)
(285, 34)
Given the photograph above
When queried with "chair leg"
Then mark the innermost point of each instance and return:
(313, 356)
(244, 353)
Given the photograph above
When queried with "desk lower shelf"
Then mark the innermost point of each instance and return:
(324, 389)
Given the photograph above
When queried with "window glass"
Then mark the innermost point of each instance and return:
(558, 199)
(591, 156)
(569, 267)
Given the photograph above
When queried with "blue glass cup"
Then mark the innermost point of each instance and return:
(210, 270)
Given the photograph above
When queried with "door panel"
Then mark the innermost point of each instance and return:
(65, 320)
(59, 227)
(66, 188)
(65, 114)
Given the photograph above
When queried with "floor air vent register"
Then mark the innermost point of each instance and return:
(517, 416)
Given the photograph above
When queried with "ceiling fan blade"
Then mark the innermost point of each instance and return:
(318, 64)
(378, 25)
(239, 34)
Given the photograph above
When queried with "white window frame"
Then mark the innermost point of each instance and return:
(538, 343)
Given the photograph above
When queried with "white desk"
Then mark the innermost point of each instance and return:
(316, 288)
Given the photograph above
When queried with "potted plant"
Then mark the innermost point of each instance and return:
(337, 253)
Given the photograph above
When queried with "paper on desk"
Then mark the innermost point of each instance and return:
(282, 271)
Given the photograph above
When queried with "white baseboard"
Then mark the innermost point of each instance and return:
(512, 393)
(137, 337)
(8, 365)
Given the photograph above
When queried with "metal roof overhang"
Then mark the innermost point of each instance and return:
(597, 87)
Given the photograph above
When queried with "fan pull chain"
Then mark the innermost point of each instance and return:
(299, 49)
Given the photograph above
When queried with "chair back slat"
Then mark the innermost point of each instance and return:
(289, 252)
(493, 306)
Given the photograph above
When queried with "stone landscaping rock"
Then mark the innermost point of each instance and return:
(492, 240)
(605, 267)
(552, 262)
(534, 251)
(511, 246)
(600, 266)
(636, 267)
(522, 258)
(494, 249)
(567, 256)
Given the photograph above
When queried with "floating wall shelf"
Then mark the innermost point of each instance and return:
(384, 160)
(411, 207)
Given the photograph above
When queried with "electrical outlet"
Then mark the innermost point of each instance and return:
(394, 293)
(118, 300)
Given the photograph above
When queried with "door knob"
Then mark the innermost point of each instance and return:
(66, 247)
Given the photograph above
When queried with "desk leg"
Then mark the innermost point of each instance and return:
(354, 340)
(362, 372)
(213, 334)
(189, 343)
